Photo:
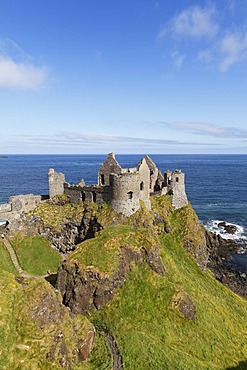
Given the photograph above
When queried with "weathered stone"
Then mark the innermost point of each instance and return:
(230, 229)
(56, 182)
(184, 304)
(124, 188)
(155, 262)
(84, 289)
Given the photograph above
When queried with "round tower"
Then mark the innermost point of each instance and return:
(125, 193)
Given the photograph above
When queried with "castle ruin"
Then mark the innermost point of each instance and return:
(123, 188)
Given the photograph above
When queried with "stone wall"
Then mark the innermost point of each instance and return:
(176, 189)
(153, 172)
(24, 203)
(144, 183)
(19, 204)
(92, 193)
(5, 207)
(123, 188)
(109, 166)
(56, 182)
(125, 193)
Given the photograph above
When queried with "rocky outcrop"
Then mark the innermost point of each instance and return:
(182, 302)
(65, 239)
(220, 251)
(85, 288)
(43, 332)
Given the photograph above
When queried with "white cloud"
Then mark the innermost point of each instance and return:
(177, 58)
(209, 129)
(233, 48)
(208, 24)
(195, 22)
(80, 139)
(21, 75)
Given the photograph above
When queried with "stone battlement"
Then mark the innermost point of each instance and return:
(123, 188)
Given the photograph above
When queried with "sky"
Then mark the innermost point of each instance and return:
(132, 76)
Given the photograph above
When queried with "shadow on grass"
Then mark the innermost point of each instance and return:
(241, 366)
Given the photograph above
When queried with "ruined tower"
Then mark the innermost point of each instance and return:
(56, 182)
(110, 165)
(176, 188)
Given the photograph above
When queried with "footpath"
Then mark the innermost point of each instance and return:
(14, 259)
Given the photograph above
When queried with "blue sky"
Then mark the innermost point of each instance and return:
(132, 76)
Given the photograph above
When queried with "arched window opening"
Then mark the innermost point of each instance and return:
(102, 179)
(177, 179)
(83, 196)
(130, 194)
(94, 196)
(142, 185)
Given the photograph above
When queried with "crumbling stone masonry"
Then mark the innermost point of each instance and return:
(19, 204)
(123, 188)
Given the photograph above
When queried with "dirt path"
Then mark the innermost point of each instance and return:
(115, 353)
(15, 261)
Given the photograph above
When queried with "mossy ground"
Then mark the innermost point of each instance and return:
(103, 252)
(24, 344)
(152, 334)
(53, 215)
(150, 331)
(35, 255)
(5, 260)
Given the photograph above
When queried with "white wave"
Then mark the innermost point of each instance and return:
(213, 226)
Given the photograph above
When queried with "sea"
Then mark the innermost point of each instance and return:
(216, 185)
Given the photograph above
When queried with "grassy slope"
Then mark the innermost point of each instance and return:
(151, 334)
(103, 252)
(5, 260)
(35, 255)
(23, 343)
(53, 215)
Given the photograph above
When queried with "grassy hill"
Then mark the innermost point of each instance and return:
(36, 330)
(183, 319)
(151, 332)
(175, 318)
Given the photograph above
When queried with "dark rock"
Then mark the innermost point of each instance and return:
(154, 261)
(86, 347)
(230, 229)
(84, 288)
(219, 262)
(89, 227)
(184, 304)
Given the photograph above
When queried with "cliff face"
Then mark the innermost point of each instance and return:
(38, 329)
(87, 282)
(90, 276)
(142, 283)
(219, 262)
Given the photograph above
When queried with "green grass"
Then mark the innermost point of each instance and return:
(54, 215)
(103, 252)
(24, 344)
(5, 260)
(150, 331)
(152, 334)
(35, 255)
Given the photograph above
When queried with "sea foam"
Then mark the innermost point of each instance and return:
(214, 226)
